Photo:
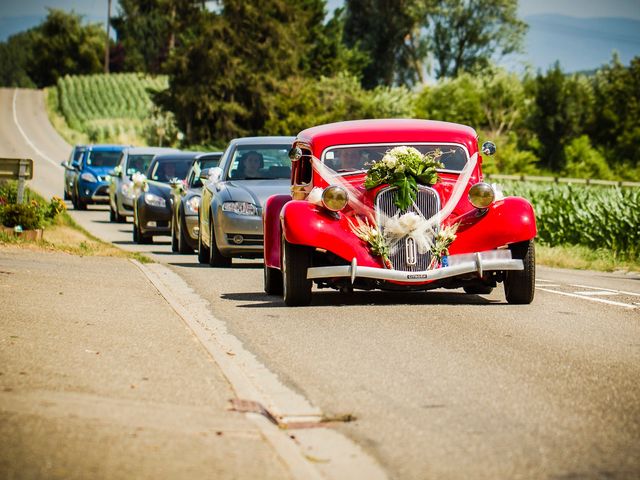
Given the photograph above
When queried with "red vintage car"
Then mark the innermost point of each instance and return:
(395, 205)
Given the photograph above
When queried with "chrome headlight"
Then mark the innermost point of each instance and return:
(192, 205)
(154, 200)
(241, 208)
(335, 198)
(481, 195)
(88, 177)
(127, 190)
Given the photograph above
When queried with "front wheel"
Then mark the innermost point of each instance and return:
(183, 243)
(296, 259)
(520, 285)
(174, 236)
(272, 281)
(216, 259)
(203, 251)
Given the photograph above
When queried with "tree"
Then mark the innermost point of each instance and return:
(464, 35)
(226, 66)
(14, 59)
(616, 124)
(388, 32)
(562, 109)
(145, 33)
(63, 46)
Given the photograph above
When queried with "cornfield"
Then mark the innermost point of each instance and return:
(107, 106)
(594, 217)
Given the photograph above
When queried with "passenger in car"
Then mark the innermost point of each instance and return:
(249, 165)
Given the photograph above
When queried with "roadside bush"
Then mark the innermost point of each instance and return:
(27, 215)
(34, 212)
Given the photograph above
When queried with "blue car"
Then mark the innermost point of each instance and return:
(91, 183)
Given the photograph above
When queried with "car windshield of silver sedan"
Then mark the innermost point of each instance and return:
(259, 162)
(357, 158)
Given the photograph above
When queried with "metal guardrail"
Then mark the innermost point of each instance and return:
(581, 181)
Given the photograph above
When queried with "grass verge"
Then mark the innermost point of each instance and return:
(65, 235)
(584, 258)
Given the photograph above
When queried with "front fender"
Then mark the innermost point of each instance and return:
(271, 224)
(304, 223)
(506, 221)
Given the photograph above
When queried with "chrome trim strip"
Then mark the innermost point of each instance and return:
(478, 262)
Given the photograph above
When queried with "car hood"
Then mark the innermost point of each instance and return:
(256, 191)
(101, 172)
(159, 188)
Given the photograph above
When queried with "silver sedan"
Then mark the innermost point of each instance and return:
(230, 218)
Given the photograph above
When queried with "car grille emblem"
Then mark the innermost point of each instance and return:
(411, 252)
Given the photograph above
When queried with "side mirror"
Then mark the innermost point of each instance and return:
(215, 174)
(65, 164)
(295, 154)
(204, 174)
(488, 148)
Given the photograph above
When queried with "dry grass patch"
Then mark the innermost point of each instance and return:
(66, 236)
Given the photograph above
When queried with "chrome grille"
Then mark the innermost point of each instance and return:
(428, 204)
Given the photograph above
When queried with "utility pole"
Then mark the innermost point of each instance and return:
(106, 49)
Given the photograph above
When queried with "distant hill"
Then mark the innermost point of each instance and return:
(580, 44)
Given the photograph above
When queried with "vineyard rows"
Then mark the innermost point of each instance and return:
(107, 106)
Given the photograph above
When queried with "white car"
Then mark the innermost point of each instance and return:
(121, 192)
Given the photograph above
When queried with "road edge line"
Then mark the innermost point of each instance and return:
(296, 447)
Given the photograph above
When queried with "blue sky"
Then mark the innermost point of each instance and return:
(578, 43)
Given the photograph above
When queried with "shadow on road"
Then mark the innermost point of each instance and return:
(335, 299)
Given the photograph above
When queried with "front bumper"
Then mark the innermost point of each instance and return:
(191, 225)
(238, 235)
(93, 192)
(463, 264)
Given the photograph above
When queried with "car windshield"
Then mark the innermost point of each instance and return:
(77, 154)
(361, 157)
(103, 158)
(194, 176)
(138, 163)
(260, 162)
(166, 170)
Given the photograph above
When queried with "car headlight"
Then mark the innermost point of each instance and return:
(88, 177)
(335, 198)
(128, 190)
(481, 195)
(192, 205)
(154, 200)
(241, 208)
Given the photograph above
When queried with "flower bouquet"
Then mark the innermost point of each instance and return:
(404, 168)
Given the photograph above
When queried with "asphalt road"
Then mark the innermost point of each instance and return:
(442, 384)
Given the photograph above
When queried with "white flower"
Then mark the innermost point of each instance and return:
(315, 196)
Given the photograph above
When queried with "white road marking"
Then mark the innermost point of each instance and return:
(26, 138)
(622, 292)
(583, 297)
(597, 292)
(547, 285)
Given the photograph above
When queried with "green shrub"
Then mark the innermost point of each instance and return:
(26, 215)
(33, 212)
